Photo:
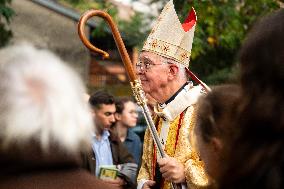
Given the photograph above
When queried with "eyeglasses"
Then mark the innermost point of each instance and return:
(145, 66)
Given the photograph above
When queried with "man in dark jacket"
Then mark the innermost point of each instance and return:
(107, 148)
(126, 118)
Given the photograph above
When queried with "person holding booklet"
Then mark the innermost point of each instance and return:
(109, 159)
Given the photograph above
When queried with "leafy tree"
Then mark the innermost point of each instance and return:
(221, 28)
(5, 12)
(131, 30)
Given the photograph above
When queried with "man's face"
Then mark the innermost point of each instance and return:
(104, 116)
(129, 114)
(152, 71)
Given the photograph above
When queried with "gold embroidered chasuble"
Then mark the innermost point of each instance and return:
(180, 121)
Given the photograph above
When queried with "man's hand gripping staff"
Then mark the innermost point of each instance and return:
(134, 81)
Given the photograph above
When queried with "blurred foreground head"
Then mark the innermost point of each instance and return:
(41, 104)
(262, 77)
(262, 57)
(216, 128)
(257, 156)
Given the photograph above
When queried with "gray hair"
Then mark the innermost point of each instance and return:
(42, 100)
(182, 73)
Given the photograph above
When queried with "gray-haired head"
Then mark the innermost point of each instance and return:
(41, 100)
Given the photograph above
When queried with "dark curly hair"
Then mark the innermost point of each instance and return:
(101, 97)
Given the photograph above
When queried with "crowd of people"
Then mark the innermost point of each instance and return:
(53, 135)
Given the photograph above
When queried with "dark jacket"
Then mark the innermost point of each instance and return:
(120, 155)
(133, 145)
(28, 168)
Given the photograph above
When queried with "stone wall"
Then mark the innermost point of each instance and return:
(48, 29)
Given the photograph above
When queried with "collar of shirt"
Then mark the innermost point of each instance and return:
(105, 135)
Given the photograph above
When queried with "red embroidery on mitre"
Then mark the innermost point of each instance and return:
(189, 21)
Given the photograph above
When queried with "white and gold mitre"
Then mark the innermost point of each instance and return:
(170, 38)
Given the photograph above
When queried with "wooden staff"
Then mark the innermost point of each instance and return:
(134, 81)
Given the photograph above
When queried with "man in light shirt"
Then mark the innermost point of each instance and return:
(107, 148)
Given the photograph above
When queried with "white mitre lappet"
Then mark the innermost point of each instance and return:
(171, 39)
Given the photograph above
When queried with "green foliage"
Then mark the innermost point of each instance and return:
(84, 5)
(102, 25)
(5, 12)
(81, 5)
(131, 30)
(221, 28)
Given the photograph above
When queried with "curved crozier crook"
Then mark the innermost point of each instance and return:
(136, 85)
(81, 28)
(116, 35)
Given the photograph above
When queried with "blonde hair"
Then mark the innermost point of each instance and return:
(41, 99)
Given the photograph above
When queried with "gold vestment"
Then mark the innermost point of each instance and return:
(178, 143)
